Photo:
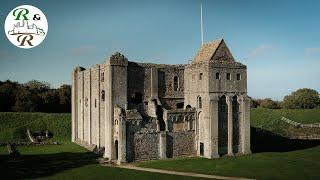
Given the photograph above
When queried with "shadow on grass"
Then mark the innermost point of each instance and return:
(266, 141)
(35, 166)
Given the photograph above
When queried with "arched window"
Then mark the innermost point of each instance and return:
(102, 76)
(217, 75)
(175, 83)
(103, 95)
(199, 102)
(188, 106)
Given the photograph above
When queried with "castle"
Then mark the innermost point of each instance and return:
(139, 111)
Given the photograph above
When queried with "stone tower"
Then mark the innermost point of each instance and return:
(217, 86)
(116, 96)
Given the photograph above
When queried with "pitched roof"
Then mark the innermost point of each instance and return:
(207, 50)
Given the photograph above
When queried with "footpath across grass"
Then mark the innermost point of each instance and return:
(262, 116)
(269, 119)
(66, 161)
(274, 157)
(301, 164)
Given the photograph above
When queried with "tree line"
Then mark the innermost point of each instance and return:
(34, 96)
(37, 96)
(301, 99)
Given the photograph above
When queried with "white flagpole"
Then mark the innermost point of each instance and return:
(201, 23)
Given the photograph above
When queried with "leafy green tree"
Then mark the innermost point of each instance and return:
(270, 104)
(65, 98)
(7, 94)
(302, 98)
(50, 101)
(37, 85)
(26, 101)
(254, 103)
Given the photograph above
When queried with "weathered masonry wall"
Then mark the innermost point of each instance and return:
(95, 105)
(180, 143)
(146, 146)
(88, 105)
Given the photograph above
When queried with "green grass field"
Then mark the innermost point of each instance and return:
(274, 157)
(301, 164)
(269, 119)
(13, 125)
(66, 161)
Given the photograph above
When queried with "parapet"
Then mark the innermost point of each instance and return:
(117, 59)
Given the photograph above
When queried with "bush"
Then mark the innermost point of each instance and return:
(302, 98)
(270, 104)
(254, 103)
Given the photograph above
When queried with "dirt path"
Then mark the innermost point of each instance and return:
(175, 172)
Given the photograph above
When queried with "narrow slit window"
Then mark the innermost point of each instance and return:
(238, 77)
(199, 102)
(175, 83)
(102, 77)
(228, 76)
(103, 95)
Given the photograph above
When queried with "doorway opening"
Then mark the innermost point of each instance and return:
(201, 149)
(116, 147)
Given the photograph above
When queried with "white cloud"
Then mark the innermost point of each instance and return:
(5, 55)
(261, 50)
(312, 51)
(84, 49)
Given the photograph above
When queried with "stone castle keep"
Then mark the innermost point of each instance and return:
(138, 111)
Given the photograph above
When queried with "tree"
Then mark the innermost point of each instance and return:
(7, 94)
(254, 103)
(302, 98)
(37, 85)
(50, 101)
(65, 98)
(26, 101)
(270, 104)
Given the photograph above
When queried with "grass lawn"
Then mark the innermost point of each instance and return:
(274, 156)
(301, 164)
(66, 161)
(269, 119)
(261, 116)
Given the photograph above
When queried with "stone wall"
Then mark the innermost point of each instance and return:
(95, 104)
(86, 101)
(146, 146)
(180, 143)
(102, 106)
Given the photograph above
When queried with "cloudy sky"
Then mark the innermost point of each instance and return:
(279, 41)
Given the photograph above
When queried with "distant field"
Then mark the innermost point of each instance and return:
(262, 115)
(269, 119)
(13, 125)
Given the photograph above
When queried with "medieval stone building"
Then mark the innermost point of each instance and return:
(136, 111)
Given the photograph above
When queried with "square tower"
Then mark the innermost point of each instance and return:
(216, 85)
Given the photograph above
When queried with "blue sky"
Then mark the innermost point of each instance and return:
(279, 41)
